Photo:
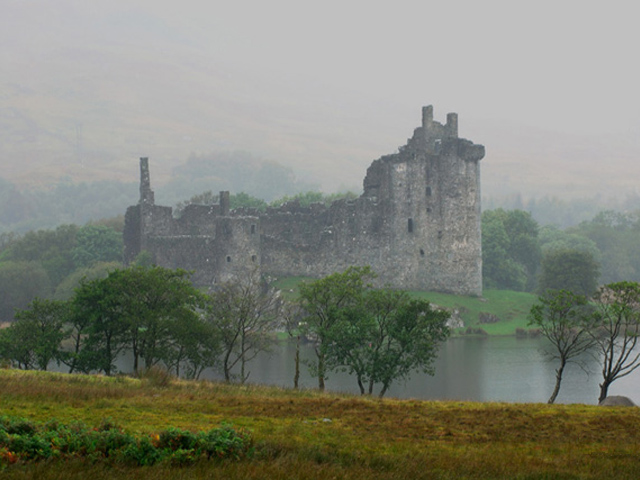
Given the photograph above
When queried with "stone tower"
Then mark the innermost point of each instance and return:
(429, 197)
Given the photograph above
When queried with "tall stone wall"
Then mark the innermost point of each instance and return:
(417, 224)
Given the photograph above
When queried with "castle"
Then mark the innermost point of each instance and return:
(417, 224)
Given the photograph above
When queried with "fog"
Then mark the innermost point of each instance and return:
(550, 88)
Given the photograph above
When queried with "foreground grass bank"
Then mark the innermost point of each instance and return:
(310, 435)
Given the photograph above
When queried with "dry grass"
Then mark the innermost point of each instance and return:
(310, 435)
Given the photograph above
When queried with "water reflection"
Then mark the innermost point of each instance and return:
(505, 369)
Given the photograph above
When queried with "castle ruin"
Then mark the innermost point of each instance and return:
(417, 224)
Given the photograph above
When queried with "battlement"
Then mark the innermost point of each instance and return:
(435, 129)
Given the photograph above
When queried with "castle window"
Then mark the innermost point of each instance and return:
(228, 259)
(253, 228)
(410, 225)
(421, 252)
(253, 258)
(428, 191)
(428, 209)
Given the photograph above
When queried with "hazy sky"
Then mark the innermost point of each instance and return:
(568, 65)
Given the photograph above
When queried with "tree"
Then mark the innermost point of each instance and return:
(244, 312)
(97, 243)
(564, 318)
(573, 270)
(140, 308)
(50, 248)
(195, 346)
(66, 289)
(292, 315)
(20, 283)
(387, 337)
(616, 236)
(99, 311)
(324, 302)
(34, 339)
(617, 318)
(510, 249)
(157, 302)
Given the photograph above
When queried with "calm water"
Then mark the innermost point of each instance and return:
(505, 369)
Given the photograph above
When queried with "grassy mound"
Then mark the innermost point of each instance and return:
(305, 434)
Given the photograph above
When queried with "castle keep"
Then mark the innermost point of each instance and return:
(417, 224)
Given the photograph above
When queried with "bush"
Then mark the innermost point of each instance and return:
(23, 440)
(156, 376)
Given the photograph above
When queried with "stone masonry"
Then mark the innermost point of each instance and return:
(417, 224)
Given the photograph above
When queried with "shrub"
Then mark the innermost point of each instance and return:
(21, 439)
(156, 376)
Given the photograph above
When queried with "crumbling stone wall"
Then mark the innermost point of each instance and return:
(417, 223)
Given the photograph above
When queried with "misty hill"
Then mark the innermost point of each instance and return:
(88, 89)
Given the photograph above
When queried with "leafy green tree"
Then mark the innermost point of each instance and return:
(158, 303)
(66, 289)
(305, 199)
(243, 199)
(573, 270)
(617, 318)
(102, 316)
(324, 302)
(244, 312)
(499, 270)
(140, 308)
(195, 345)
(34, 339)
(552, 238)
(565, 319)
(20, 283)
(51, 248)
(97, 243)
(617, 236)
(387, 337)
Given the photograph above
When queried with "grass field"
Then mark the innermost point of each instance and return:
(308, 435)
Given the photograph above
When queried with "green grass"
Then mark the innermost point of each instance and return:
(306, 434)
(511, 308)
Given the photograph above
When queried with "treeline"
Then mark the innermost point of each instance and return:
(519, 254)
(25, 209)
(155, 316)
(562, 213)
(50, 263)
(242, 199)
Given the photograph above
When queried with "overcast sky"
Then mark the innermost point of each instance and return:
(568, 65)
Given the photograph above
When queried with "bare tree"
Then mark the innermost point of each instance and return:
(245, 313)
(292, 318)
(618, 320)
(565, 319)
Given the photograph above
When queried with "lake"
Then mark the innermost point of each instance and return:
(501, 369)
